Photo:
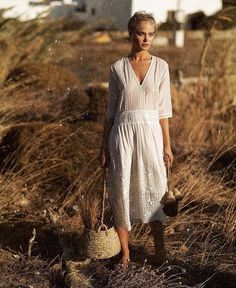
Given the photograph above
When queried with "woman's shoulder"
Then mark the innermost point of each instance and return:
(118, 61)
(161, 61)
(162, 67)
(114, 65)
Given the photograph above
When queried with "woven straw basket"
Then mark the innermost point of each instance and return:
(103, 243)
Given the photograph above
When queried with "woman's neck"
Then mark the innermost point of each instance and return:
(139, 55)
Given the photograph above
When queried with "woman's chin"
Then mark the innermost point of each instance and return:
(145, 47)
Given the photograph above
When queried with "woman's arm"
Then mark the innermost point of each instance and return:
(104, 149)
(107, 125)
(168, 155)
(165, 111)
(113, 95)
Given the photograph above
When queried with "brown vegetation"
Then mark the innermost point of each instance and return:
(50, 130)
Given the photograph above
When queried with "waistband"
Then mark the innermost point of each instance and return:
(135, 116)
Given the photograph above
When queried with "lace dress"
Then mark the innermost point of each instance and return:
(136, 178)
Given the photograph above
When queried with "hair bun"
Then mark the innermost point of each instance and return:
(140, 12)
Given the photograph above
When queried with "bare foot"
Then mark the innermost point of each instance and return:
(124, 260)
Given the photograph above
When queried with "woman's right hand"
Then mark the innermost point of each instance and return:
(104, 156)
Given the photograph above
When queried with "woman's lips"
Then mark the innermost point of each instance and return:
(145, 45)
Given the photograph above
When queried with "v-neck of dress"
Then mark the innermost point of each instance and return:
(134, 74)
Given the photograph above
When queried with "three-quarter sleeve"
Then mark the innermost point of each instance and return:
(113, 93)
(165, 105)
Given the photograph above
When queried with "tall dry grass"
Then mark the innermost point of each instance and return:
(53, 163)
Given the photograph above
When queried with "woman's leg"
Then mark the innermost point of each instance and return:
(157, 230)
(124, 241)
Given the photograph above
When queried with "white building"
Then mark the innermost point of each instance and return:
(119, 11)
(22, 9)
(26, 10)
(116, 11)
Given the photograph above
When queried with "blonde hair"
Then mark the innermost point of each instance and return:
(140, 16)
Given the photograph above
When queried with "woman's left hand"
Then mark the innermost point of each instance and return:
(168, 156)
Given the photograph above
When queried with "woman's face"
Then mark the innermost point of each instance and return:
(142, 37)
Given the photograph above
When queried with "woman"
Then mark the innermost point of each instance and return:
(136, 143)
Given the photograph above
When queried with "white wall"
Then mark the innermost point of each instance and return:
(159, 8)
(22, 9)
(117, 11)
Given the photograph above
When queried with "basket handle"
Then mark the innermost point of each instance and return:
(102, 226)
(103, 200)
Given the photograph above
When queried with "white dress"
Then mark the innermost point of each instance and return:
(136, 178)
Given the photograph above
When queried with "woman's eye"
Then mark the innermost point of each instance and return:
(142, 34)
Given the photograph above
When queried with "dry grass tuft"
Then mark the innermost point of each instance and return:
(137, 275)
(25, 272)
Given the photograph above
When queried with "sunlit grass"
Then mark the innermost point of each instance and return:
(46, 161)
